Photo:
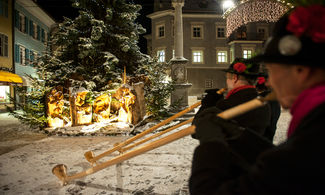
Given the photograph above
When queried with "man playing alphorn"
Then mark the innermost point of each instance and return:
(294, 59)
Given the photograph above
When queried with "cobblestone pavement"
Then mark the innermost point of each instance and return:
(26, 169)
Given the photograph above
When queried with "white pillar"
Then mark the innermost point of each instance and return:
(178, 63)
(178, 26)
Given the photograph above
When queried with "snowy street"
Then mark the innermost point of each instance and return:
(27, 160)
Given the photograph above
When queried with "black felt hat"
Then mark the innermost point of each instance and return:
(298, 38)
(244, 67)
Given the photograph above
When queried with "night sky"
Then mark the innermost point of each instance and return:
(59, 8)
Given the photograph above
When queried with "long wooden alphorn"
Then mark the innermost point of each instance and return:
(122, 150)
(90, 157)
(61, 173)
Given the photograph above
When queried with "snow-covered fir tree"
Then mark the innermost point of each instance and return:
(90, 51)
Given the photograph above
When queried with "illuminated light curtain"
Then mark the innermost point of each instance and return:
(254, 11)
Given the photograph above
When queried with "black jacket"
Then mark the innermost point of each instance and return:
(275, 114)
(258, 119)
(296, 166)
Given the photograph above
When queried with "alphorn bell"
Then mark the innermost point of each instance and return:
(60, 170)
(90, 157)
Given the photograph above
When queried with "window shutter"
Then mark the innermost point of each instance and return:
(6, 46)
(31, 28)
(2, 8)
(31, 55)
(26, 54)
(43, 36)
(26, 25)
(17, 19)
(38, 33)
(16, 53)
(6, 8)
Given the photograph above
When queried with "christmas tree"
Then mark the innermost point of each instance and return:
(92, 49)
(90, 52)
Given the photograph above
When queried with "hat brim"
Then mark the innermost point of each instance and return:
(242, 74)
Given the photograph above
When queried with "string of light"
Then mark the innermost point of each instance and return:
(254, 11)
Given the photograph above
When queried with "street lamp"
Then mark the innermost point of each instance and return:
(227, 4)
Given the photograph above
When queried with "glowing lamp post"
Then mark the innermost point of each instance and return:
(227, 4)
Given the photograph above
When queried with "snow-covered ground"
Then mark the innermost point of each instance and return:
(27, 167)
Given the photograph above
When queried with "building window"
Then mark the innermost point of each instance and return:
(22, 23)
(208, 83)
(197, 56)
(173, 53)
(160, 31)
(4, 94)
(3, 45)
(197, 31)
(262, 33)
(45, 37)
(247, 53)
(4, 8)
(221, 32)
(34, 31)
(161, 55)
(241, 33)
(31, 57)
(22, 56)
(222, 57)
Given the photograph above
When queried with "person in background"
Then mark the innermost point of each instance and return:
(275, 107)
(241, 77)
(294, 60)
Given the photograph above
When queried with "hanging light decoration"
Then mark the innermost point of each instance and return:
(253, 11)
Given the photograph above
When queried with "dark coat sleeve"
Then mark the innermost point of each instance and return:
(275, 114)
(294, 167)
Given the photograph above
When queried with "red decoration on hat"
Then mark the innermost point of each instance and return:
(260, 80)
(240, 67)
(308, 21)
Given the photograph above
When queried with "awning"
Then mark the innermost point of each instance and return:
(26, 81)
(8, 78)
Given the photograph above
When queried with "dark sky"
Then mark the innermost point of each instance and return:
(59, 8)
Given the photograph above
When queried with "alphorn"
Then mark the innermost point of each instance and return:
(61, 170)
(90, 157)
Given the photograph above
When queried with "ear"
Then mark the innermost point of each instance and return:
(303, 74)
(235, 77)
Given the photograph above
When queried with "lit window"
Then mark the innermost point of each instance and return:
(173, 53)
(4, 91)
(247, 53)
(197, 56)
(222, 56)
(220, 32)
(161, 55)
(3, 45)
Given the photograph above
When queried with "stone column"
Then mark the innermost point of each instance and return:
(178, 63)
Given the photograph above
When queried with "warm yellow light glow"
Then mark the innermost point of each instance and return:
(227, 4)
(126, 101)
(84, 110)
(101, 107)
(55, 108)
